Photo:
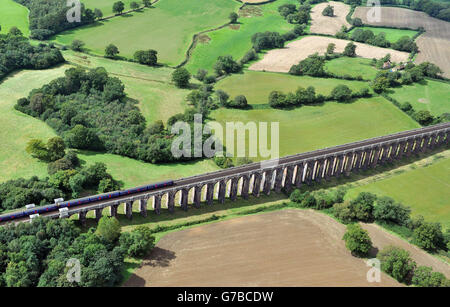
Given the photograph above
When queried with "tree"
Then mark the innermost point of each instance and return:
(425, 277)
(111, 51)
(108, 228)
(397, 263)
(429, 236)
(239, 101)
(37, 149)
(387, 210)
(118, 7)
(146, 57)
(330, 48)
(181, 77)
(357, 240)
(226, 65)
(77, 45)
(350, 50)
(341, 93)
(56, 148)
(357, 22)
(423, 117)
(147, 3)
(380, 84)
(313, 65)
(328, 11)
(98, 13)
(233, 17)
(134, 5)
(81, 137)
(363, 206)
(138, 242)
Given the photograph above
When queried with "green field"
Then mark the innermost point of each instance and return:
(13, 14)
(167, 28)
(106, 5)
(425, 189)
(256, 86)
(392, 35)
(158, 97)
(313, 127)
(237, 42)
(352, 66)
(429, 95)
(16, 129)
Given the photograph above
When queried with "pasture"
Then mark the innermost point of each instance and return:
(12, 14)
(300, 248)
(392, 35)
(313, 127)
(236, 41)
(167, 28)
(434, 44)
(281, 60)
(351, 66)
(253, 84)
(430, 95)
(329, 25)
(424, 188)
(106, 5)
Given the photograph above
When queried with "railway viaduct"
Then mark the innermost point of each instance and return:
(287, 172)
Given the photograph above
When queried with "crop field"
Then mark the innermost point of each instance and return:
(282, 248)
(253, 84)
(281, 60)
(392, 35)
(158, 98)
(313, 127)
(430, 95)
(425, 189)
(167, 28)
(434, 44)
(106, 5)
(326, 24)
(351, 66)
(236, 41)
(13, 14)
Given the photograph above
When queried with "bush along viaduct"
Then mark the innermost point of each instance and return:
(287, 172)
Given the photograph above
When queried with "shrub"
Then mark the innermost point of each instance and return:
(425, 277)
(350, 50)
(223, 162)
(362, 206)
(429, 236)
(357, 240)
(297, 196)
(239, 102)
(328, 11)
(108, 229)
(344, 212)
(181, 77)
(341, 93)
(111, 51)
(138, 242)
(146, 57)
(397, 263)
(387, 210)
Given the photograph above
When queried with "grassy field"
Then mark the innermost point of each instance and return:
(256, 86)
(352, 66)
(429, 95)
(16, 129)
(237, 41)
(392, 35)
(152, 87)
(313, 127)
(167, 28)
(425, 189)
(13, 14)
(106, 5)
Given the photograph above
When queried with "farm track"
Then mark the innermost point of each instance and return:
(434, 44)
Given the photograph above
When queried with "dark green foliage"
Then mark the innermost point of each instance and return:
(77, 45)
(357, 240)
(429, 236)
(223, 162)
(397, 263)
(297, 196)
(111, 51)
(405, 43)
(387, 210)
(226, 65)
(181, 77)
(341, 93)
(363, 206)
(423, 117)
(239, 102)
(267, 40)
(233, 17)
(350, 50)
(49, 17)
(108, 229)
(69, 161)
(138, 242)
(118, 7)
(313, 65)
(328, 11)
(146, 57)
(425, 277)
(17, 53)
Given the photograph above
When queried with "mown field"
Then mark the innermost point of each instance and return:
(106, 5)
(425, 189)
(158, 98)
(256, 86)
(167, 28)
(13, 14)
(429, 95)
(236, 41)
(16, 129)
(351, 66)
(392, 35)
(312, 127)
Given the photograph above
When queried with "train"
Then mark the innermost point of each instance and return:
(83, 201)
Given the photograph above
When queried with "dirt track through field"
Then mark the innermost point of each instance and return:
(329, 25)
(282, 248)
(434, 44)
(281, 60)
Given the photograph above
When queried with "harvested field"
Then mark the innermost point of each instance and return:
(329, 25)
(281, 60)
(434, 44)
(282, 248)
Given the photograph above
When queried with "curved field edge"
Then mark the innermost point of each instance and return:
(14, 15)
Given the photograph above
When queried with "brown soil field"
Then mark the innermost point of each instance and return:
(281, 60)
(381, 238)
(280, 248)
(329, 25)
(434, 44)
